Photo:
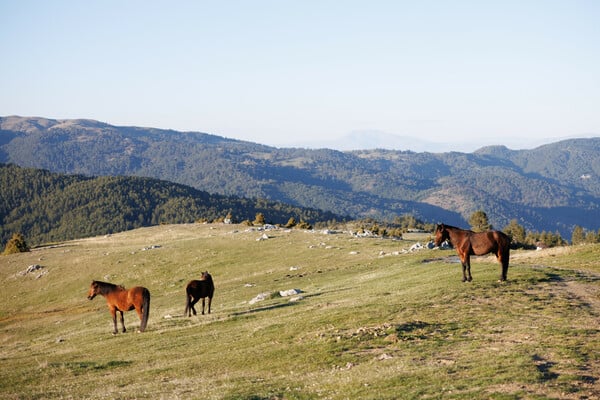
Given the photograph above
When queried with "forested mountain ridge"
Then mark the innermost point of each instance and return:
(47, 207)
(552, 187)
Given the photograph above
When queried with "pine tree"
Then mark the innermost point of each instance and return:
(577, 237)
(479, 221)
(515, 231)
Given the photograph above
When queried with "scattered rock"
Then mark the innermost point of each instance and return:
(154, 246)
(416, 246)
(291, 292)
(33, 269)
(263, 237)
(260, 297)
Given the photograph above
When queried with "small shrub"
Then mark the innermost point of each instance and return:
(304, 225)
(16, 244)
(259, 219)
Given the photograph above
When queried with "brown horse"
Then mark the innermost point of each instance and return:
(120, 299)
(468, 243)
(196, 290)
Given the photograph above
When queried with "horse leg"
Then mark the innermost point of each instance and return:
(113, 313)
(122, 322)
(464, 272)
(463, 264)
(466, 268)
(204, 298)
(209, 303)
(469, 277)
(194, 301)
(503, 259)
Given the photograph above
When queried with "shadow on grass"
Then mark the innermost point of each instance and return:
(259, 309)
(273, 306)
(79, 367)
(543, 366)
(254, 397)
(416, 330)
(552, 277)
(448, 260)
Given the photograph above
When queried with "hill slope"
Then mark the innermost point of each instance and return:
(48, 207)
(553, 187)
(371, 322)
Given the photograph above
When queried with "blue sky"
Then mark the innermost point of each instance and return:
(469, 73)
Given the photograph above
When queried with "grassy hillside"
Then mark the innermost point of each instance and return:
(373, 322)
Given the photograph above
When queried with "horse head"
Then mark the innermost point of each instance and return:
(205, 276)
(441, 234)
(94, 290)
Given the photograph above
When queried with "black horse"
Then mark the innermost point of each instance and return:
(196, 290)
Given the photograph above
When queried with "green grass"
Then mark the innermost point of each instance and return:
(372, 324)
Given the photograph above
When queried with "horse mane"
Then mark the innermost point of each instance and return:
(106, 287)
(446, 226)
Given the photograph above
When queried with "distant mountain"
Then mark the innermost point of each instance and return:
(552, 187)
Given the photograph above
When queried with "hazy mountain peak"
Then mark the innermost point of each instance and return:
(375, 139)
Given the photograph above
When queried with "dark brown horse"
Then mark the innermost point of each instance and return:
(196, 290)
(120, 299)
(468, 243)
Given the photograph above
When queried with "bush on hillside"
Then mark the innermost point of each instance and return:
(16, 244)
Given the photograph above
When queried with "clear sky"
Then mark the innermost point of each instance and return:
(286, 72)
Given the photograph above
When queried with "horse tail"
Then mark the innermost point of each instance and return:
(504, 255)
(188, 302)
(211, 288)
(506, 249)
(145, 309)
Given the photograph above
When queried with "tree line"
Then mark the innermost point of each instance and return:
(520, 237)
(47, 207)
